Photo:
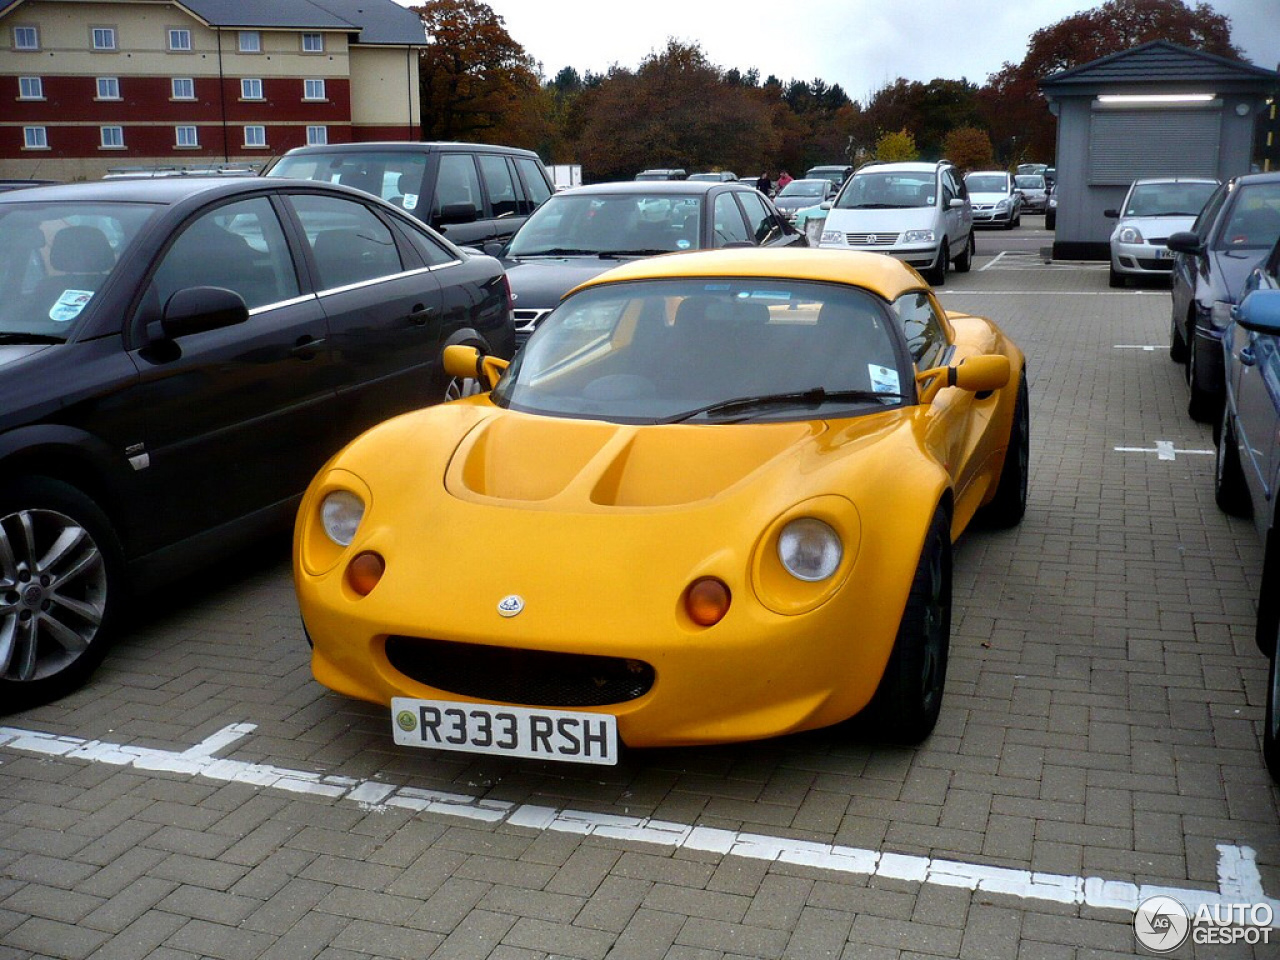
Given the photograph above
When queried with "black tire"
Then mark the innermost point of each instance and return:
(1202, 406)
(61, 587)
(1271, 727)
(965, 263)
(1177, 346)
(1229, 488)
(909, 697)
(1050, 221)
(938, 275)
(1009, 504)
(1115, 279)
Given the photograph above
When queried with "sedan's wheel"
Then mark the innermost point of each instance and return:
(1271, 732)
(1010, 501)
(965, 262)
(907, 702)
(1229, 487)
(1201, 405)
(60, 580)
(1177, 346)
(1116, 279)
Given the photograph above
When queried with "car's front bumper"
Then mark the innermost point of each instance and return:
(1141, 259)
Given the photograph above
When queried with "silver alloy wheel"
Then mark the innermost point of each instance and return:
(53, 593)
(457, 388)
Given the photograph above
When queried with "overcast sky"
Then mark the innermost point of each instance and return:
(862, 45)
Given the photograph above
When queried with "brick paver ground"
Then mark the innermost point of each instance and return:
(1102, 720)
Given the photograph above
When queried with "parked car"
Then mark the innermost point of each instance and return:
(662, 174)
(918, 212)
(837, 173)
(178, 357)
(803, 193)
(1034, 190)
(713, 177)
(583, 232)
(1153, 208)
(471, 193)
(701, 470)
(994, 198)
(1236, 228)
(1248, 458)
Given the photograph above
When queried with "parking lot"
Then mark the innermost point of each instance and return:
(1099, 743)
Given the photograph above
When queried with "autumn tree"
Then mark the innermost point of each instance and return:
(897, 147)
(930, 110)
(477, 83)
(969, 149)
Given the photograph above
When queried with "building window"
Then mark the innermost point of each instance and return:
(112, 138)
(313, 43)
(313, 90)
(255, 136)
(317, 136)
(187, 137)
(26, 38)
(250, 89)
(35, 138)
(104, 38)
(180, 41)
(30, 88)
(108, 88)
(184, 88)
(250, 41)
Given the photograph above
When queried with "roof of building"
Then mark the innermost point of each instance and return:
(1160, 63)
(376, 22)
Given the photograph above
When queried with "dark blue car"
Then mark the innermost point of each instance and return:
(1248, 461)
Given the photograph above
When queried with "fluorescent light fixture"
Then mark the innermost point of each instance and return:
(1157, 97)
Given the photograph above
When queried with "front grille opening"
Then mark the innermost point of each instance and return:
(535, 678)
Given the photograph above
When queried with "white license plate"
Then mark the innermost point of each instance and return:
(1164, 253)
(568, 735)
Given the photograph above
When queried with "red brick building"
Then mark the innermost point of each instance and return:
(86, 87)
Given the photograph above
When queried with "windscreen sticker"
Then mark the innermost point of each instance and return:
(683, 244)
(884, 379)
(409, 201)
(69, 305)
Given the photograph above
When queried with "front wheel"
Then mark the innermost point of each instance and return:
(965, 261)
(1201, 404)
(1229, 488)
(938, 275)
(1177, 346)
(61, 582)
(908, 700)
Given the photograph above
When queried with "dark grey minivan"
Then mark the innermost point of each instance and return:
(470, 192)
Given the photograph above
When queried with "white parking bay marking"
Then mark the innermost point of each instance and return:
(1239, 880)
(1165, 450)
(1148, 347)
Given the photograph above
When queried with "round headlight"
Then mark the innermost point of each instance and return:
(340, 514)
(809, 549)
(1130, 235)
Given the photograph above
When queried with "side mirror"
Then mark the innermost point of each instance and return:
(1111, 214)
(956, 203)
(466, 363)
(1260, 312)
(825, 204)
(1184, 241)
(458, 213)
(976, 374)
(494, 248)
(198, 309)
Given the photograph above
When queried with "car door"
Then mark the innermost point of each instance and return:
(1255, 369)
(959, 220)
(1189, 267)
(238, 418)
(727, 223)
(382, 302)
(458, 207)
(767, 226)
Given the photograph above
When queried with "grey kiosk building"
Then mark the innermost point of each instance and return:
(1153, 111)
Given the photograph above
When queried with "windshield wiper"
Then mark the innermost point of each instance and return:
(557, 252)
(606, 254)
(13, 337)
(812, 397)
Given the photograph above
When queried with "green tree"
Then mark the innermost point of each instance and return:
(897, 147)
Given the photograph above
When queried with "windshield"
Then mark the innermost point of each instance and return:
(669, 350)
(888, 191)
(1029, 182)
(601, 224)
(54, 257)
(804, 188)
(987, 183)
(1254, 219)
(395, 176)
(1168, 199)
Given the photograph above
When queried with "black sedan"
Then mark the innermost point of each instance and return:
(178, 357)
(584, 231)
(1236, 228)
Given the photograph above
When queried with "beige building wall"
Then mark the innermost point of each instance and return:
(384, 87)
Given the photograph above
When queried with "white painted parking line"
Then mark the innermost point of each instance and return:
(996, 259)
(1148, 347)
(1239, 881)
(1165, 450)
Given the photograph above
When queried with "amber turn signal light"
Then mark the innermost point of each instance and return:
(364, 571)
(707, 601)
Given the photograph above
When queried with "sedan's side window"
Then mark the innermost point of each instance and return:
(763, 223)
(239, 246)
(729, 225)
(348, 243)
(926, 334)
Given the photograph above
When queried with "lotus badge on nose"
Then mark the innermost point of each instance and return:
(511, 605)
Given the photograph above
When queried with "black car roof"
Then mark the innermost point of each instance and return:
(163, 190)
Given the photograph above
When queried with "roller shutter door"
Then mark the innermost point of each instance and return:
(1127, 144)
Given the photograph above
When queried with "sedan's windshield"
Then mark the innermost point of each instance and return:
(54, 257)
(676, 350)
(987, 183)
(878, 191)
(624, 224)
(1028, 182)
(804, 188)
(1253, 222)
(1168, 199)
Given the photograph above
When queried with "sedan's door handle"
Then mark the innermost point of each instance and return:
(305, 347)
(1247, 358)
(420, 314)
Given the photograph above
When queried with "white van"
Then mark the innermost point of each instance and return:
(917, 212)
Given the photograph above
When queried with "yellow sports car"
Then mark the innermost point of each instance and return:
(712, 499)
